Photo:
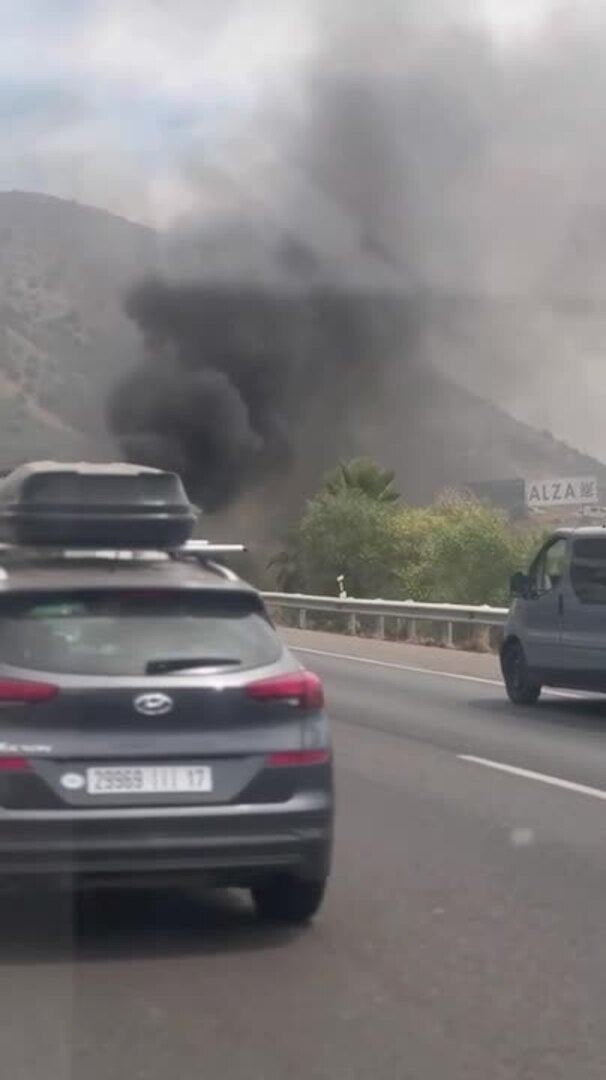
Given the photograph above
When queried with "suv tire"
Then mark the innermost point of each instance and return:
(522, 688)
(288, 899)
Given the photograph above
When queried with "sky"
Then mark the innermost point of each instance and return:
(105, 101)
(102, 101)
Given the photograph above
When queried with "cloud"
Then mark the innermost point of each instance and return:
(138, 90)
(191, 48)
(127, 92)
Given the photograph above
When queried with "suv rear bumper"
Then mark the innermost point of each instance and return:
(224, 844)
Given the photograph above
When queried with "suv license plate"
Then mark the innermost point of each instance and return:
(149, 780)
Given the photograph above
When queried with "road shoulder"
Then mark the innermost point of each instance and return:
(453, 661)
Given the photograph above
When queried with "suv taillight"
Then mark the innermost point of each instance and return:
(23, 691)
(301, 689)
(289, 758)
(14, 764)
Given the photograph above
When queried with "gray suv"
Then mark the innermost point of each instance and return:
(154, 729)
(555, 634)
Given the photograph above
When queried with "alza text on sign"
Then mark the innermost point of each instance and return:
(570, 491)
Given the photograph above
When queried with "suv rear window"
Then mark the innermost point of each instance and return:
(133, 633)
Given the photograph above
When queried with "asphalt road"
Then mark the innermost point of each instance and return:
(463, 935)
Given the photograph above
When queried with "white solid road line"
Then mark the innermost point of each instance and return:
(419, 670)
(398, 667)
(528, 774)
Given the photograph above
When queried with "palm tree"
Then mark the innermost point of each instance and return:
(363, 475)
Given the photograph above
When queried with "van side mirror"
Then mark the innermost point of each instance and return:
(519, 585)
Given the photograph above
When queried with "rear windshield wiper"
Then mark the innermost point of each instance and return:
(181, 663)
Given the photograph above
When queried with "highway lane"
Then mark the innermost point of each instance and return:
(463, 934)
(462, 707)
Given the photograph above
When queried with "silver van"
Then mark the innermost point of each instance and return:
(555, 634)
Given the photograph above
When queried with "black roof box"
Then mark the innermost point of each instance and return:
(48, 503)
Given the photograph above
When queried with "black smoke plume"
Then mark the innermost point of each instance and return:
(440, 195)
(245, 387)
(262, 388)
(212, 398)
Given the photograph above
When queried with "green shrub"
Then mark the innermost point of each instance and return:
(457, 550)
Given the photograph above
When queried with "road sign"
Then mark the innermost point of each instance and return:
(562, 491)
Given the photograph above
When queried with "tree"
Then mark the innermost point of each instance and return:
(346, 532)
(457, 550)
(470, 552)
(363, 475)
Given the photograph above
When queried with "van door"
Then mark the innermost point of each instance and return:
(541, 621)
(584, 613)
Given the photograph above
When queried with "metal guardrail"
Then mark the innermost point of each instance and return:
(406, 611)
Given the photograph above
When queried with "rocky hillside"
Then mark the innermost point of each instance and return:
(64, 339)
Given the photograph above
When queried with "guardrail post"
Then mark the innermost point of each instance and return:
(302, 619)
(381, 627)
(449, 637)
(412, 631)
(352, 624)
(481, 638)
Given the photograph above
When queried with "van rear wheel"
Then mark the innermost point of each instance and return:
(521, 686)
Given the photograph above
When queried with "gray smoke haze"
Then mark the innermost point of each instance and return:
(436, 202)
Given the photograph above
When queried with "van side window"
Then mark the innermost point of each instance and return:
(588, 570)
(547, 571)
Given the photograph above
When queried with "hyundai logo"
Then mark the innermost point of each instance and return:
(153, 704)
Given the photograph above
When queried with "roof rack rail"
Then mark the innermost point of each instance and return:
(199, 550)
(203, 551)
(208, 550)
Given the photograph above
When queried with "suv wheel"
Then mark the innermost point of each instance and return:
(289, 900)
(521, 687)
